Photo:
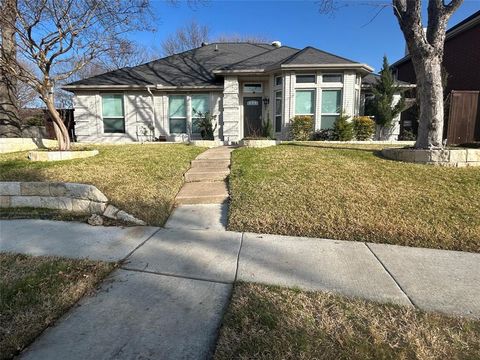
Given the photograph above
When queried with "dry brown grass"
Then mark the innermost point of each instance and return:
(265, 322)
(348, 192)
(140, 179)
(35, 291)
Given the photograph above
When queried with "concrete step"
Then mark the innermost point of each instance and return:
(211, 164)
(214, 155)
(202, 193)
(205, 175)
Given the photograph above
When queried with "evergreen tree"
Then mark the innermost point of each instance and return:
(382, 103)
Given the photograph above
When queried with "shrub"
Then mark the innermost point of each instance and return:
(301, 127)
(325, 135)
(407, 135)
(205, 124)
(343, 128)
(363, 127)
(267, 129)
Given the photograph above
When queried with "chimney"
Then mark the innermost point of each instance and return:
(276, 43)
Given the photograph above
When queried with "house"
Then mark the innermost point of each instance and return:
(460, 61)
(243, 85)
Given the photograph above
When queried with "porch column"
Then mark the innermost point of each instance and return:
(231, 109)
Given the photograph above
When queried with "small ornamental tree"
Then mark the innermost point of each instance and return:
(382, 105)
(343, 128)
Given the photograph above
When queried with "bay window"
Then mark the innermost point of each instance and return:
(331, 107)
(305, 102)
(177, 114)
(113, 113)
(200, 106)
(278, 111)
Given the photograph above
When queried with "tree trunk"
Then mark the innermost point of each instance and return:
(10, 125)
(61, 131)
(430, 95)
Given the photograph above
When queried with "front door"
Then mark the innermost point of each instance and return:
(252, 117)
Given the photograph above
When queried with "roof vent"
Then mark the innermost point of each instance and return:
(204, 43)
(276, 43)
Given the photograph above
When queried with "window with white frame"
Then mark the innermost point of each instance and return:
(278, 80)
(200, 106)
(177, 114)
(305, 78)
(305, 102)
(331, 107)
(357, 102)
(332, 78)
(278, 111)
(253, 88)
(113, 113)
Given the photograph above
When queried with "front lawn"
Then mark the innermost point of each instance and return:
(265, 322)
(347, 192)
(140, 179)
(35, 291)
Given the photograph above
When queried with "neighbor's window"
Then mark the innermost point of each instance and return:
(305, 102)
(112, 113)
(278, 81)
(332, 78)
(252, 88)
(199, 105)
(278, 111)
(177, 114)
(331, 107)
(305, 79)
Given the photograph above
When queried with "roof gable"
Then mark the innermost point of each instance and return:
(313, 56)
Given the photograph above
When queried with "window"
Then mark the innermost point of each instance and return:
(305, 102)
(252, 88)
(112, 113)
(177, 114)
(332, 78)
(278, 81)
(305, 79)
(199, 106)
(331, 107)
(357, 102)
(278, 111)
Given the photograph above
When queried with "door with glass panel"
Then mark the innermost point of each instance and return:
(252, 117)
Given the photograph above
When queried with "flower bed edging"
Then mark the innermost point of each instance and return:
(259, 143)
(442, 157)
(71, 197)
(60, 155)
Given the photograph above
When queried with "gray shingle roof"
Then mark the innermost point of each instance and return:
(311, 55)
(190, 68)
(195, 67)
(371, 79)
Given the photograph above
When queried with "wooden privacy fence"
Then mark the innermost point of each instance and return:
(464, 117)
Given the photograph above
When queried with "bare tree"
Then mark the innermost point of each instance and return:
(193, 34)
(10, 125)
(190, 36)
(426, 51)
(59, 37)
(251, 39)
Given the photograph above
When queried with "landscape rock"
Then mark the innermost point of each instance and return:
(95, 220)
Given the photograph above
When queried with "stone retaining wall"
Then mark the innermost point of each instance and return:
(21, 144)
(443, 157)
(71, 197)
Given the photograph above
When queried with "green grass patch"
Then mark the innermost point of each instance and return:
(35, 291)
(348, 192)
(265, 322)
(140, 179)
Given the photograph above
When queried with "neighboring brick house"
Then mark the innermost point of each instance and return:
(243, 85)
(461, 62)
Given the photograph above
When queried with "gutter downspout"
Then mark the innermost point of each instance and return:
(153, 111)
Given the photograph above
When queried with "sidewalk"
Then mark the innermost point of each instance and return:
(168, 298)
(174, 284)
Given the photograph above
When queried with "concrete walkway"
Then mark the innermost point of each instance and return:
(168, 298)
